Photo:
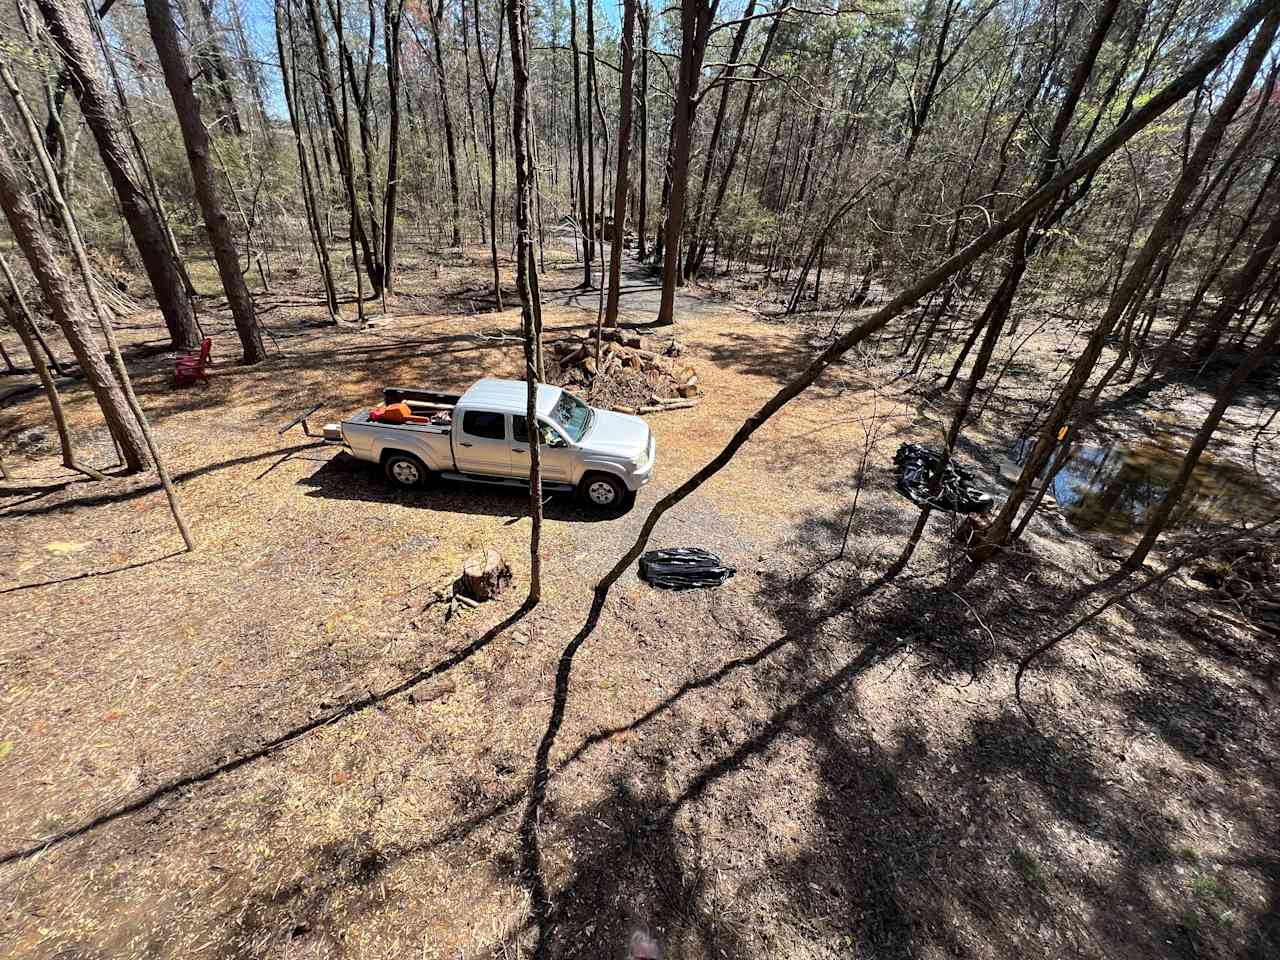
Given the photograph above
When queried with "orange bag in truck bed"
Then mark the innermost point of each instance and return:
(391, 413)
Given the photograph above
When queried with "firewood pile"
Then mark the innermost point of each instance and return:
(630, 373)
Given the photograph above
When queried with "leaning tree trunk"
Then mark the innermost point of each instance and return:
(339, 131)
(19, 318)
(624, 159)
(1239, 289)
(186, 102)
(1262, 351)
(1169, 223)
(518, 24)
(68, 29)
(67, 313)
(72, 233)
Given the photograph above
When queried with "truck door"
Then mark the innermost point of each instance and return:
(480, 444)
(557, 458)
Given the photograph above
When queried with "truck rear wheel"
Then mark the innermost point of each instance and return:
(605, 492)
(404, 470)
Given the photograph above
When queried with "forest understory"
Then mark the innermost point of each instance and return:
(277, 746)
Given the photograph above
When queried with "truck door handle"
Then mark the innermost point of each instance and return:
(519, 450)
(464, 444)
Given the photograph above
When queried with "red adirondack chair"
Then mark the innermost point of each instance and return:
(189, 368)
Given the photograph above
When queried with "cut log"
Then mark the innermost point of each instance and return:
(663, 408)
(485, 575)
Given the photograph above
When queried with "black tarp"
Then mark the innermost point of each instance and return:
(683, 568)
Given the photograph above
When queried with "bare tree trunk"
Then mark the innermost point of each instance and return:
(213, 62)
(819, 242)
(731, 156)
(393, 10)
(1239, 288)
(339, 129)
(642, 214)
(126, 120)
(72, 234)
(584, 198)
(252, 71)
(517, 20)
(69, 31)
(695, 221)
(1168, 224)
(624, 158)
(177, 77)
(471, 120)
(66, 311)
(435, 12)
(695, 22)
(19, 318)
(315, 225)
(491, 89)
(1160, 517)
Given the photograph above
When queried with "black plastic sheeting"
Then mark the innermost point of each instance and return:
(683, 568)
(917, 469)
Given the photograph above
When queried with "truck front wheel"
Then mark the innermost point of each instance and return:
(404, 470)
(606, 492)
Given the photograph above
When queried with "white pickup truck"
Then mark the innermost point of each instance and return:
(482, 437)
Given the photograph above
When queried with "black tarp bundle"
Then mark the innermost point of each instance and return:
(917, 470)
(683, 568)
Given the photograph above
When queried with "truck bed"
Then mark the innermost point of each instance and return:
(362, 419)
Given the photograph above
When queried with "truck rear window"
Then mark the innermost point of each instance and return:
(481, 423)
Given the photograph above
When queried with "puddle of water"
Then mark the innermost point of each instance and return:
(1114, 489)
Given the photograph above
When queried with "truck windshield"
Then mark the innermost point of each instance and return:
(573, 416)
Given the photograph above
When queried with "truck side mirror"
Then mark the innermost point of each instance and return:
(550, 438)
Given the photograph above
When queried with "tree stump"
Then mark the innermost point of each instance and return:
(485, 575)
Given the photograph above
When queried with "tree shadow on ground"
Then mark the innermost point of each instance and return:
(240, 757)
(135, 487)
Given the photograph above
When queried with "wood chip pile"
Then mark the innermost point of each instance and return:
(632, 374)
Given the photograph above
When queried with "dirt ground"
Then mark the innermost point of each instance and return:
(274, 747)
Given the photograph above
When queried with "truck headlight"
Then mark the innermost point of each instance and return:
(645, 457)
